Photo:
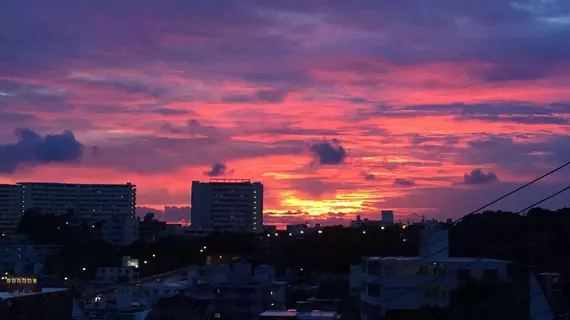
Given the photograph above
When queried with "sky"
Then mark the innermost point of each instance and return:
(339, 107)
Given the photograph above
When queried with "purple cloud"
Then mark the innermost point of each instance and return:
(32, 149)
(217, 170)
(477, 176)
(328, 153)
(404, 182)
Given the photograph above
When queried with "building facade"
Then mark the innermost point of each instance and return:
(121, 232)
(89, 202)
(10, 208)
(25, 258)
(107, 275)
(227, 205)
(236, 291)
(409, 283)
(387, 217)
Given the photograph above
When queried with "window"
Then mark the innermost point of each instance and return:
(489, 274)
(363, 265)
(373, 267)
(432, 269)
(463, 274)
(374, 289)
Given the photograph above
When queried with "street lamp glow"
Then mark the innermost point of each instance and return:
(363, 231)
(382, 227)
(154, 255)
(145, 262)
(320, 231)
(201, 250)
(205, 247)
(84, 269)
(290, 234)
(65, 278)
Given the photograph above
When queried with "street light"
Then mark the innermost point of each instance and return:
(201, 250)
(145, 262)
(154, 255)
(363, 231)
(65, 278)
(84, 269)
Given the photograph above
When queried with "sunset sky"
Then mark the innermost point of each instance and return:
(339, 107)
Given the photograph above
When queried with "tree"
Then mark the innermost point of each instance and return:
(148, 217)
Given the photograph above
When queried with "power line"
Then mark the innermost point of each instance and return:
(485, 206)
(478, 259)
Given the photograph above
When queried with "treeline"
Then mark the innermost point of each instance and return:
(539, 238)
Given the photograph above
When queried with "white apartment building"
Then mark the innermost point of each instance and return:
(404, 283)
(89, 202)
(10, 211)
(121, 232)
(227, 205)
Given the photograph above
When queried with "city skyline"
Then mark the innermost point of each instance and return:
(337, 108)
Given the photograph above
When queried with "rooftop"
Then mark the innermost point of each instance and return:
(450, 259)
(230, 181)
(279, 313)
(292, 313)
(10, 295)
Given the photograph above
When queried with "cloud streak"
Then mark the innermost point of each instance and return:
(335, 106)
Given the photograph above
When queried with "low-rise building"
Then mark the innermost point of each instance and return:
(407, 283)
(21, 257)
(121, 232)
(302, 229)
(108, 275)
(151, 230)
(360, 223)
(235, 292)
(49, 303)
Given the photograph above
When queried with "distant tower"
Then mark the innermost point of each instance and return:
(387, 217)
(227, 205)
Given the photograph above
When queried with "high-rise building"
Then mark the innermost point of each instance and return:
(89, 202)
(227, 205)
(387, 217)
(10, 210)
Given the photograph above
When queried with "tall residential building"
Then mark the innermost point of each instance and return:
(227, 205)
(89, 202)
(10, 210)
(387, 217)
